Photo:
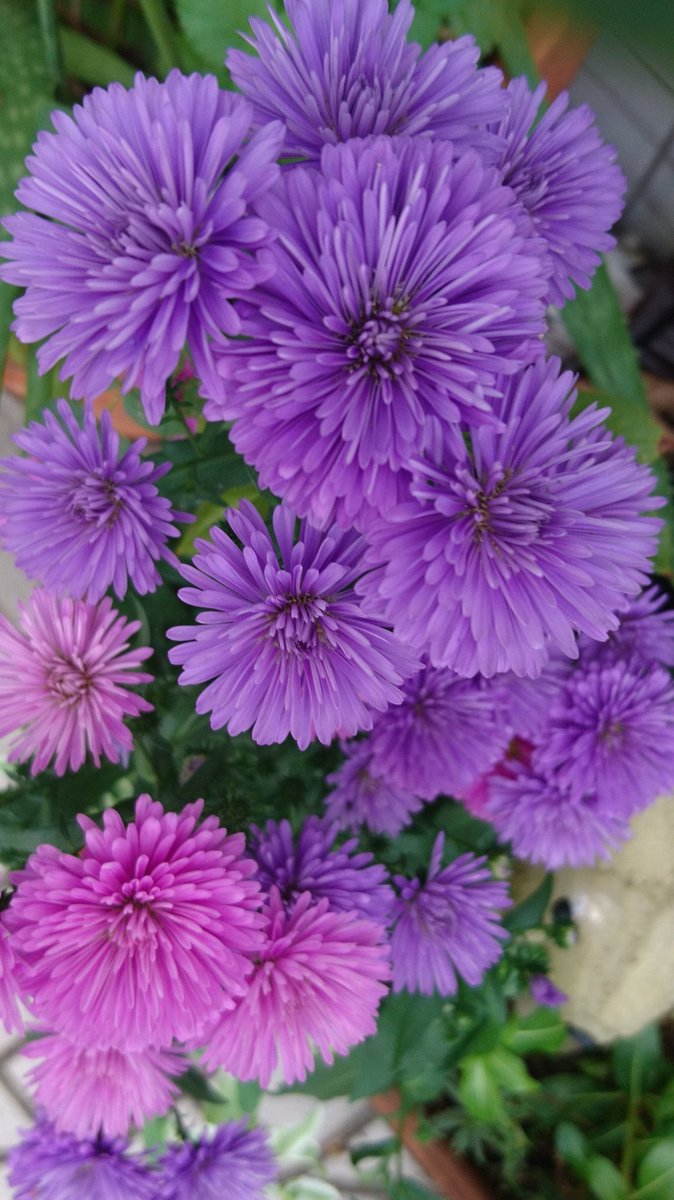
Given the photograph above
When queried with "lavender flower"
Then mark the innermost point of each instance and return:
(142, 232)
(360, 797)
(64, 676)
(405, 281)
(544, 992)
(285, 642)
(47, 1165)
(447, 926)
(80, 516)
(645, 633)
(521, 539)
(344, 69)
(566, 178)
(350, 881)
(236, 1162)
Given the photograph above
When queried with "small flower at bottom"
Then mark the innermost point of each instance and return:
(236, 1162)
(47, 1165)
(64, 676)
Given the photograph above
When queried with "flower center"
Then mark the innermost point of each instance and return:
(134, 921)
(96, 500)
(69, 680)
(380, 340)
(295, 623)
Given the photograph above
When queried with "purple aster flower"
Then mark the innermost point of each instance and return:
(349, 880)
(80, 516)
(566, 178)
(142, 232)
(9, 988)
(143, 935)
(285, 642)
(64, 676)
(360, 797)
(87, 1092)
(447, 926)
(236, 1162)
(445, 732)
(344, 69)
(544, 992)
(317, 983)
(611, 730)
(549, 822)
(47, 1165)
(645, 633)
(521, 539)
(406, 280)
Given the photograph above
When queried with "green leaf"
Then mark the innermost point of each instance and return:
(409, 1189)
(383, 1148)
(26, 93)
(599, 332)
(479, 1091)
(655, 1177)
(542, 1029)
(211, 28)
(194, 1084)
(604, 1179)
(85, 59)
(573, 1147)
(531, 911)
(637, 1061)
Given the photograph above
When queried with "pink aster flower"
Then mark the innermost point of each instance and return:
(318, 982)
(64, 676)
(9, 990)
(88, 1092)
(144, 934)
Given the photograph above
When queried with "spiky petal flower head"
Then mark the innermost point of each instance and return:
(566, 178)
(47, 1165)
(645, 633)
(317, 983)
(139, 938)
(447, 926)
(347, 878)
(90, 1092)
(359, 797)
(344, 69)
(141, 233)
(517, 542)
(79, 515)
(406, 280)
(9, 986)
(282, 634)
(64, 680)
(236, 1162)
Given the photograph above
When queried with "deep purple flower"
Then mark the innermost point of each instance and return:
(446, 731)
(549, 822)
(141, 233)
(78, 515)
(144, 934)
(406, 280)
(64, 679)
(236, 1162)
(566, 178)
(645, 633)
(520, 539)
(47, 1165)
(317, 983)
(349, 880)
(285, 641)
(344, 69)
(447, 926)
(361, 798)
(544, 992)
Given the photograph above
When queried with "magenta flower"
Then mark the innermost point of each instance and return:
(447, 926)
(406, 280)
(47, 1165)
(78, 515)
(9, 988)
(344, 69)
(145, 934)
(285, 641)
(92, 1092)
(64, 676)
(519, 540)
(142, 232)
(235, 1162)
(317, 983)
(360, 797)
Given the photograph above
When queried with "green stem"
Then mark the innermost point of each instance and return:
(162, 31)
(117, 8)
(50, 40)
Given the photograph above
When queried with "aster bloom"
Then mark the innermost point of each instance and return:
(9, 988)
(64, 675)
(405, 281)
(549, 822)
(349, 880)
(544, 992)
(142, 232)
(611, 730)
(445, 732)
(359, 797)
(47, 1165)
(524, 538)
(139, 938)
(236, 1162)
(645, 633)
(87, 1092)
(447, 926)
(317, 983)
(80, 516)
(566, 178)
(344, 69)
(284, 639)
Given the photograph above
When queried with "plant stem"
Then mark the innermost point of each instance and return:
(50, 40)
(162, 31)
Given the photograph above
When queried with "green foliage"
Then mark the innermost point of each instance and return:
(26, 92)
(212, 28)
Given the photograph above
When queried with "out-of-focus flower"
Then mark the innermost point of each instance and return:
(360, 797)
(645, 633)
(544, 992)
(47, 1165)
(235, 1162)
